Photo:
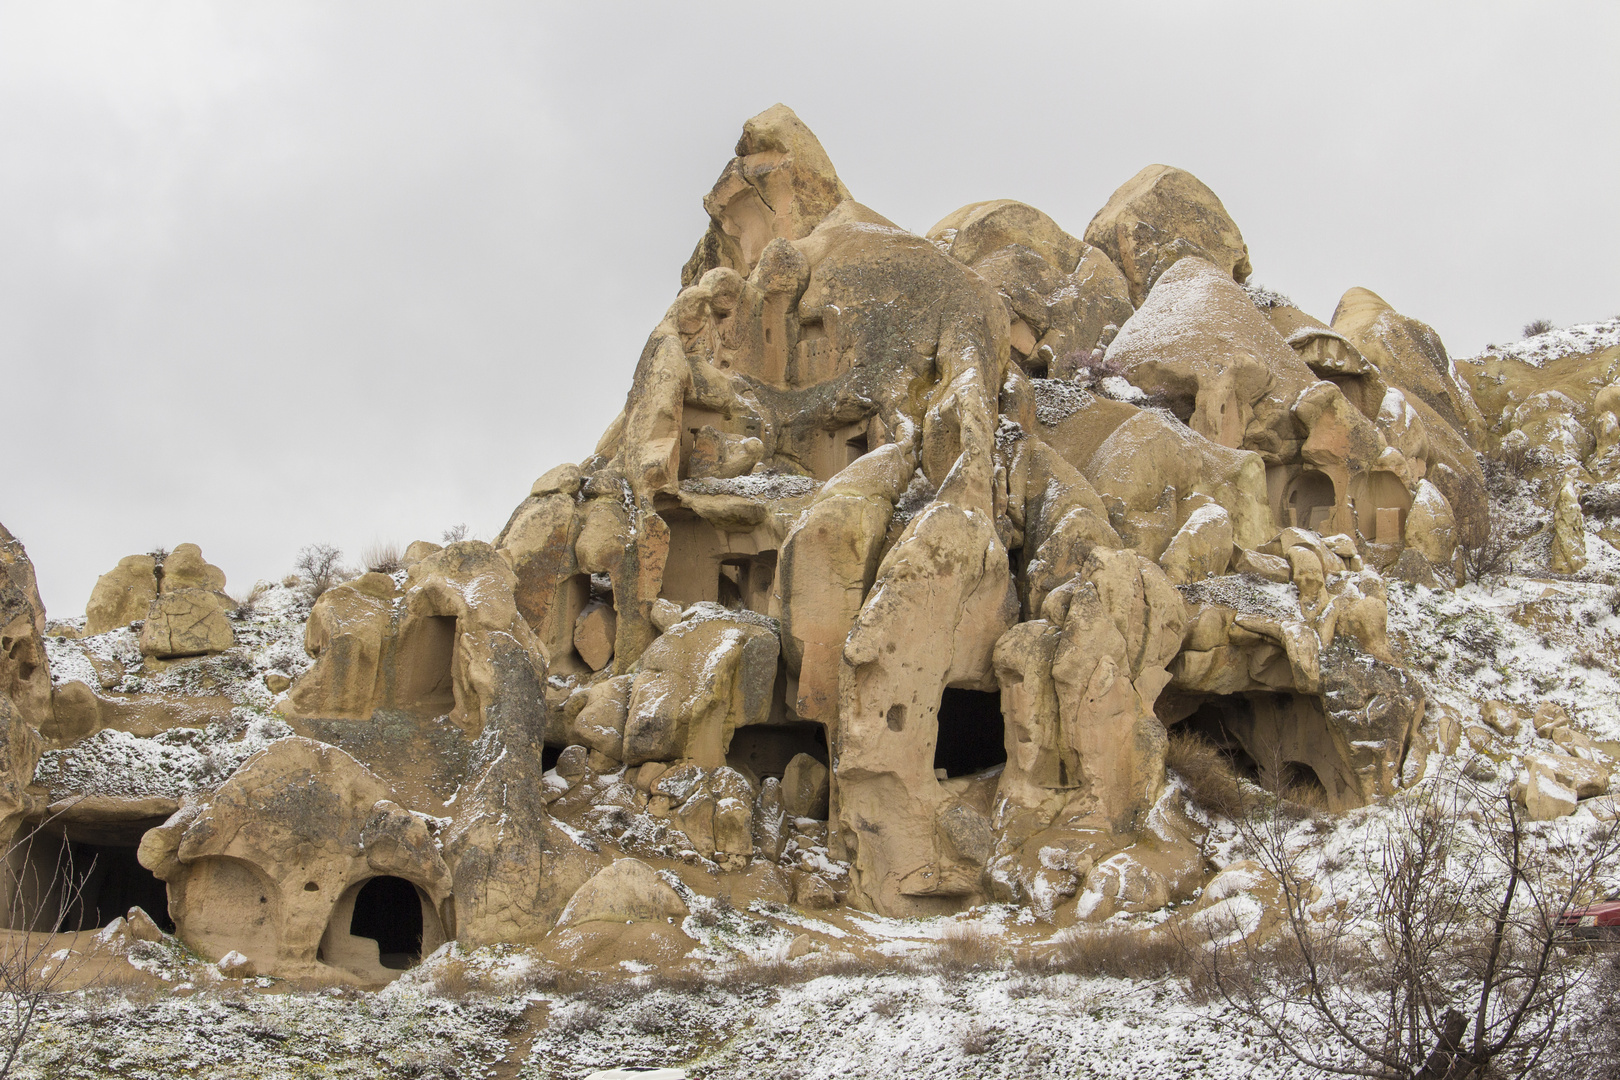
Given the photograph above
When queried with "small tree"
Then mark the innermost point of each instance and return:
(1456, 972)
(321, 567)
(1487, 553)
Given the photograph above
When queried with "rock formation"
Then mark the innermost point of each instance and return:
(885, 588)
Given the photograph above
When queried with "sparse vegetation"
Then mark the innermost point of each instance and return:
(1116, 953)
(1211, 781)
(1486, 554)
(1456, 973)
(454, 534)
(382, 557)
(967, 947)
(319, 567)
(1538, 326)
(248, 603)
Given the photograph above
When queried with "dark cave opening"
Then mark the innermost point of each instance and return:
(389, 911)
(109, 881)
(766, 749)
(972, 736)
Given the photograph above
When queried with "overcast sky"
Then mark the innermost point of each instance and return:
(278, 273)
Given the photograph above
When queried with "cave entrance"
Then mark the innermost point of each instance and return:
(68, 881)
(972, 736)
(1310, 500)
(389, 911)
(1279, 740)
(766, 749)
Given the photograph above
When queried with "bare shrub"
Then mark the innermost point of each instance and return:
(454, 979)
(247, 605)
(1538, 326)
(1117, 953)
(979, 1038)
(1208, 775)
(583, 1018)
(1488, 554)
(1455, 974)
(320, 566)
(966, 947)
(1601, 500)
(454, 534)
(382, 557)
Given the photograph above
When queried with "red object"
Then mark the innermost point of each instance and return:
(1600, 920)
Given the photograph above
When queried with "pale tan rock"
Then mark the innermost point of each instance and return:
(187, 622)
(417, 550)
(185, 568)
(1145, 505)
(270, 864)
(233, 965)
(1502, 717)
(599, 722)
(122, 595)
(1548, 716)
(563, 479)
(141, 927)
(594, 632)
(1201, 548)
(1568, 530)
(804, 788)
(627, 891)
(1585, 778)
(696, 684)
(1543, 796)
(276, 682)
(1431, 528)
(1160, 215)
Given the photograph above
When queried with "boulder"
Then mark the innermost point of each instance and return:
(122, 595)
(697, 683)
(626, 891)
(187, 622)
(1201, 548)
(804, 788)
(185, 568)
(1159, 216)
(594, 632)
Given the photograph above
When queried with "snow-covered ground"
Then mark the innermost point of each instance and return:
(1578, 340)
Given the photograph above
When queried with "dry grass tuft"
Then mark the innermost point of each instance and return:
(382, 557)
(1209, 777)
(967, 947)
(454, 979)
(1117, 953)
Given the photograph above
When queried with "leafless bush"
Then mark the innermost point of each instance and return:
(382, 557)
(979, 1038)
(454, 534)
(320, 566)
(1488, 554)
(454, 979)
(1456, 974)
(1538, 326)
(1116, 953)
(582, 1019)
(966, 947)
(1591, 1046)
(1208, 775)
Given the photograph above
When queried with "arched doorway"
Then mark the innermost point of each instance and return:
(379, 927)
